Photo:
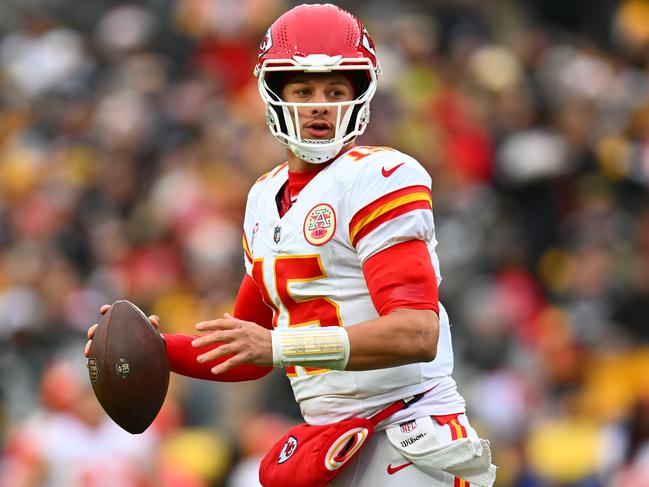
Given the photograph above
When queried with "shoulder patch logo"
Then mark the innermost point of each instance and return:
(320, 224)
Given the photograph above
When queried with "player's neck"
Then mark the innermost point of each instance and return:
(295, 164)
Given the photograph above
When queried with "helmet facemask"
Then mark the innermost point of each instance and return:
(283, 117)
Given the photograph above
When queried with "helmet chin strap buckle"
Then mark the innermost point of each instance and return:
(364, 115)
(271, 117)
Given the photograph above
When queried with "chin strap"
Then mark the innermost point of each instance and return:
(315, 155)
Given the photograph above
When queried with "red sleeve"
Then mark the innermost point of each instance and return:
(250, 306)
(182, 356)
(402, 276)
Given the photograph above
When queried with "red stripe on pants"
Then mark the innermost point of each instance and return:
(457, 432)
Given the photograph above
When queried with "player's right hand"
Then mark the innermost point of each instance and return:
(153, 319)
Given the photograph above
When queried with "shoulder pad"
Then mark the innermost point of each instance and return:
(366, 153)
(271, 173)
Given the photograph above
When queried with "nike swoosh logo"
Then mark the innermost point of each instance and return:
(392, 470)
(388, 173)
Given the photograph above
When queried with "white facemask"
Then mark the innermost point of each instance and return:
(316, 151)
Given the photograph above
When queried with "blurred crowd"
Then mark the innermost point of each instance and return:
(130, 133)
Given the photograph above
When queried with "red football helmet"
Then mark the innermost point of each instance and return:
(317, 39)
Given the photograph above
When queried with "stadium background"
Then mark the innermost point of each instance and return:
(130, 133)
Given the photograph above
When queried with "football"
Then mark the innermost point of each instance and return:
(128, 367)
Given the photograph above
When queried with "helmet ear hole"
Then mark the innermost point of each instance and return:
(360, 116)
(364, 115)
(271, 116)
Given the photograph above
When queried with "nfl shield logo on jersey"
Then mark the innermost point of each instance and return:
(320, 224)
(277, 234)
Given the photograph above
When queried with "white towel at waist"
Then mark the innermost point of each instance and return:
(467, 458)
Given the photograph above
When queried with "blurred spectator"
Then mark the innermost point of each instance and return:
(635, 463)
(71, 442)
(193, 458)
(257, 436)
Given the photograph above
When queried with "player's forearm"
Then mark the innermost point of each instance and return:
(183, 356)
(403, 337)
(182, 360)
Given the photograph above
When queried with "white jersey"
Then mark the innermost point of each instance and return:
(308, 265)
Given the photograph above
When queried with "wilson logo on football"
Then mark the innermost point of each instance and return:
(320, 224)
(344, 447)
(287, 451)
(93, 369)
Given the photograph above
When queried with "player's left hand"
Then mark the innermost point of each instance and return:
(153, 319)
(247, 342)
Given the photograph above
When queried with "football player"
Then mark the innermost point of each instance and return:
(341, 283)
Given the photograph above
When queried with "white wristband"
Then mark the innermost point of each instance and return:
(326, 347)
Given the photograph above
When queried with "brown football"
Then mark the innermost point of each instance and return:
(128, 367)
